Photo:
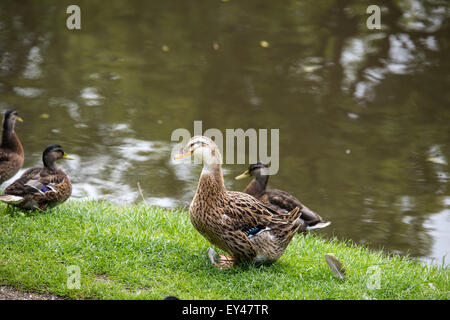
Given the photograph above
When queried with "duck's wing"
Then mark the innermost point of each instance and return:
(57, 187)
(18, 187)
(239, 216)
(283, 199)
(7, 156)
(246, 219)
(288, 202)
(249, 215)
(4, 156)
(35, 180)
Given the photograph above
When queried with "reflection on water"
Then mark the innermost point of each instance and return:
(363, 114)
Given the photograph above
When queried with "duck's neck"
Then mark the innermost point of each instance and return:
(10, 140)
(211, 184)
(257, 186)
(51, 166)
(50, 163)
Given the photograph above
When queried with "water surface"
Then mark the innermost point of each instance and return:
(360, 111)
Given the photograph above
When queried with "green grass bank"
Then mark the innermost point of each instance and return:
(142, 252)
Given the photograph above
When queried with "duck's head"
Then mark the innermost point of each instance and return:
(257, 170)
(10, 118)
(203, 150)
(53, 153)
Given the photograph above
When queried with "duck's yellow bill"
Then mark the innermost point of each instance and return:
(246, 174)
(66, 156)
(181, 155)
(19, 119)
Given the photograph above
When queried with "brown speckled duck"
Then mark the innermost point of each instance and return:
(235, 222)
(11, 150)
(39, 188)
(278, 199)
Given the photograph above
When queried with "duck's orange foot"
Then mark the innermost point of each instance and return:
(220, 261)
(225, 262)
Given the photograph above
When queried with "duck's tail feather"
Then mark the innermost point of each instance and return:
(319, 225)
(11, 199)
(298, 223)
(295, 214)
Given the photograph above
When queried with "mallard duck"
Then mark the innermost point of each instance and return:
(235, 222)
(39, 188)
(278, 199)
(11, 150)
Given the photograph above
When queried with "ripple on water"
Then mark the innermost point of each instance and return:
(91, 96)
(141, 150)
(33, 70)
(28, 92)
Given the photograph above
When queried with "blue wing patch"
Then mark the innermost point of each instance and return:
(253, 231)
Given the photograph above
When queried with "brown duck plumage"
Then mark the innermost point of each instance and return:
(234, 221)
(39, 188)
(11, 150)
(278, 199)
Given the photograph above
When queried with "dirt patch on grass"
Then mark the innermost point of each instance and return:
(10, 293)
(103, 278)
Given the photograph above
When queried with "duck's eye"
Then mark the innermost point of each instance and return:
(197, 144)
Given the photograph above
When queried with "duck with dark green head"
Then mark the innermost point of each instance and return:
(11, 150)
(39, 188)
(278, 199)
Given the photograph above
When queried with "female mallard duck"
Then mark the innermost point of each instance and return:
(278, 199)
(234, 221)
(39, 188)
(11, 150)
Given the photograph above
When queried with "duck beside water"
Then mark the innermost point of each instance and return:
(39, 188)
(278, 199)
(11, 150)
(233, 221)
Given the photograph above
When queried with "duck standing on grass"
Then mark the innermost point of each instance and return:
(278, 199)
(11, 150)
(234, 221)
(39, 188)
